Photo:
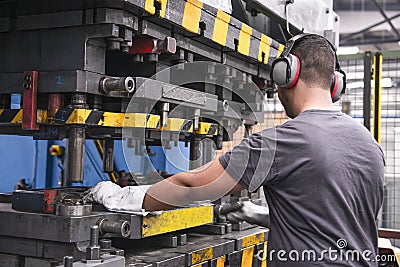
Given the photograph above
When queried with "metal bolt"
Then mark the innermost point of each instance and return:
(68, 261)
(28, 78)
(105, 243)
(94, 235)
(119, 252)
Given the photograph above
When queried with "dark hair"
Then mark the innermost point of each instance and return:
(317, 60)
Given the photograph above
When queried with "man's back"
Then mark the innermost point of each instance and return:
(324, 191)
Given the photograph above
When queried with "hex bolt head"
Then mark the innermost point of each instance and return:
(93, 253)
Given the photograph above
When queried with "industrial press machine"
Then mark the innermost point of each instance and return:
(149, 73)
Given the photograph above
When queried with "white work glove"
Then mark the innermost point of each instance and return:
(251, 213)
(115, 198)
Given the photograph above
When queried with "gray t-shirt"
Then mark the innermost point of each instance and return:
(322, 174)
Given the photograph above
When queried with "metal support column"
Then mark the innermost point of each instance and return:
(367, 89)
(376, 130)
(195, 153)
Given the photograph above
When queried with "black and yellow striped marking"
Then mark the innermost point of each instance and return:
(218, 27)
(110, 119)
(252, 256)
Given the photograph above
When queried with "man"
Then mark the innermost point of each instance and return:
(322, 174)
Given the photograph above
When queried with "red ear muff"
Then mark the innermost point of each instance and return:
(297, 74)
(285, 71)
(338, 86)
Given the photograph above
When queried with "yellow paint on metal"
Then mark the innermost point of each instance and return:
(205, 127)
(174, 220)
(112, 119)
(78, 116)
(377, 99)
(265, 48)
(17, 118)
(153, 121)
(149, 6)
(264, 259)
(221, 27)
(244, 39)
(202, 255)
(1, 111)
(191, 15)
(163, 7)
(176, 124)
(280, 50)
(247, 257)
(138, 120)
(252, 240)
(221, 261)
(41, 116)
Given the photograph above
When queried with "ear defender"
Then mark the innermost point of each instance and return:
(285, 70)
(338, 86)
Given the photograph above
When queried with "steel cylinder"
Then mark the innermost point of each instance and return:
(75, 154)
(123, 84)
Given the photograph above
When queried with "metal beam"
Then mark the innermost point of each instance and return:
(371, 41)
(350, 36)
(387, 19)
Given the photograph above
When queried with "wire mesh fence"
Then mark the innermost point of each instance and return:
(390, 139)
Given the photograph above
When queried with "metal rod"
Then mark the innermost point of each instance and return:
(75, 154)
(387, 19)
(108, 155)
(195, 153)
(94, 235)
(350, 36)
(367, 89)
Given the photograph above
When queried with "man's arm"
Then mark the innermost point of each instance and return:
(205, 183)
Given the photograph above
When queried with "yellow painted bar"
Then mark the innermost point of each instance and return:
(78, 116)
(202, 255)
(265, 48)
(264, 260)
(1, 111)
(247, 257)
(244, 39)
(41, 116)
(17, 118)
(149, 6)
(221, 27)
(175, 124)
(221, 261)
(377, 99)
(174, 220)
(280, 50)
(153, 121)
(191, 15)
(252, 240)
(205, 128)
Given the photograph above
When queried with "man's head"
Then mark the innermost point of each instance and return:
(317, 66)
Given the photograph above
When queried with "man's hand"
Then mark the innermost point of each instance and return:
(249, 212)
(113, 197)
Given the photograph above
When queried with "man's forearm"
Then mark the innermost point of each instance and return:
(168, 194)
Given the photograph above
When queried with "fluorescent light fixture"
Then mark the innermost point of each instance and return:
(385, 83)
(347, 50)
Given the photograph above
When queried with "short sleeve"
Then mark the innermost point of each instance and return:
(251, 163)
